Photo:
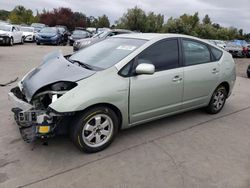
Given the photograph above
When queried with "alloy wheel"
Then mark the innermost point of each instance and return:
(98, 130)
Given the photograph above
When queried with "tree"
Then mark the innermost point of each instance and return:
(21, 15)
(154, 22)
(206, 20)
(134, 19)
(103, 21)
(4, 14)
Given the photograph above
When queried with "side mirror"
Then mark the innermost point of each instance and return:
(145, 68)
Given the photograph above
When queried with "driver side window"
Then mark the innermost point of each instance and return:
(163, 55)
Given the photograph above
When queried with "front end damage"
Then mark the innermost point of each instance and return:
(36, 119)
(37, 90)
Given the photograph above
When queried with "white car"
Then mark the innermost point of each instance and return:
(28, 34)
(10, 34)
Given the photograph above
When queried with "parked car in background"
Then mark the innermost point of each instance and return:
(38, 26)
(28, 33)
(64, 32)
(79, 34)
(247, 49)
(49, 35)
(79, 44)
(91, 29)
(218, 43)
(10, 34)
(248, 71)
(235, 49)
(118, 83)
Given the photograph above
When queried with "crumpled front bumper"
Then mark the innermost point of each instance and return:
(32, 123)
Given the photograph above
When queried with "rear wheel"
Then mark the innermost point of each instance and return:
(22, 40)
(38, 43)
(95, 129)
(217, 101)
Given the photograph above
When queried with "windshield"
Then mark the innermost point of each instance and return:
(79, 32)
(107, 53)
(27, 29)
(49, 30)
(5, 27)
(100, 35)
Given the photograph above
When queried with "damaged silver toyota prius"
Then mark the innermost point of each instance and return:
(120, 82)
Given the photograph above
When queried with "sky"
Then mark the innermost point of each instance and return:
(227, 13)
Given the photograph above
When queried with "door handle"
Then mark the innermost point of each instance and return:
(215, 70)
(177, 78)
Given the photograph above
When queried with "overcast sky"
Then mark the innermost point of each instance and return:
(225, 12)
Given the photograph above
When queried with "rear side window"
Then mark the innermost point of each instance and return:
(216, 53)
(195, 52)
(163, 55)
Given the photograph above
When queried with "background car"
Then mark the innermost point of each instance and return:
(235, 49)
(79, 34)
(10, 34)
(79, 44)
(248, 71)
(38, 26)
(28, 33)
(49, 35)
(64, 32)
(118, 83)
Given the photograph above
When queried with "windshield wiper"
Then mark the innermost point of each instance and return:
(87, 66)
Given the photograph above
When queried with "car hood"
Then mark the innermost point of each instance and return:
(54, 68)
(4, 32)
(47, 34)
(26, 33)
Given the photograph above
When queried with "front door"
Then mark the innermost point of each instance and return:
(152, 96)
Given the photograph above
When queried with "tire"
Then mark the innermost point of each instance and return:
(248, 71)
(11, 42)
(94, 129)
(22, 41)
(217, 101)
(38, 43)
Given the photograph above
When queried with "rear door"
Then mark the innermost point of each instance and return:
(155, 95)
(201, 73)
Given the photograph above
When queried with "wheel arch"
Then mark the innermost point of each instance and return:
(116, 110)
(226, 85)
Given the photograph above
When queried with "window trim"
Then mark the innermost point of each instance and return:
(197, 41)
(213, 57)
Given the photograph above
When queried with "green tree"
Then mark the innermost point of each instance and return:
(103, 21)
(21, 15)
(134, 19)
(4, 14)
(154, 22)
(206, 20)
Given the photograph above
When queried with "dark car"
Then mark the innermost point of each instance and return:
(78, 34)
(64, 32)
(248, 71)
(49, 35)
(82, 43)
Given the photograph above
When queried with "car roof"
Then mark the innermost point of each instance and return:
(152, 36)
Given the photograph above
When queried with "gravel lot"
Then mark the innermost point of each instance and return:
(189, 150)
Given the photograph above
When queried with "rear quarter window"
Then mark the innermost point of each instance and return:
(216, 53)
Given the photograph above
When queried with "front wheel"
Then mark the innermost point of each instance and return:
(95, 129)
(11, 41)
(217, 101)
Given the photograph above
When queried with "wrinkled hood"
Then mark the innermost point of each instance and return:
(4, 32)
(54, 68)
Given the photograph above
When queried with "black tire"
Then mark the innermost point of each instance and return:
(22, 40)
(215, 105)
(37, 43)
(11, 41)
(82, 120)
(248, 71)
